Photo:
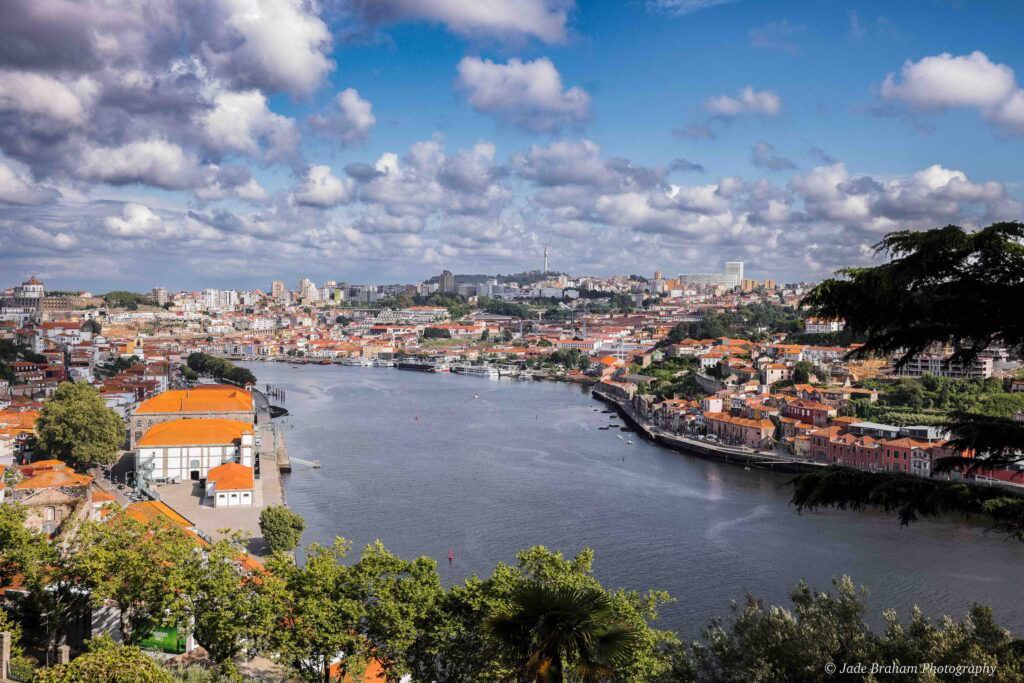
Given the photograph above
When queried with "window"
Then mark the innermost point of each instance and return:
(49, 514)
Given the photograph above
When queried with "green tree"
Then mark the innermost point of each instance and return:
(108, 662)
(92, 325)
(281, 528)
(547, 632)
(941, 286)
(224, 603)
(75, 425)
(140, 568)
(802, 372)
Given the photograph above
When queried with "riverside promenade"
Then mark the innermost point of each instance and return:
(737, 455)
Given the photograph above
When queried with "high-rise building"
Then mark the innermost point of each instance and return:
(159, 295)
(447, 284)
(731, 277)
(657, 275)
(277, 289)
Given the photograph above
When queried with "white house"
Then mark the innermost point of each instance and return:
(189, 449)
(230, 485)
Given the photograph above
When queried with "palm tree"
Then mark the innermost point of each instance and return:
(556, 633)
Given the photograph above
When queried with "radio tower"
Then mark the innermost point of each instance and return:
(545, 259)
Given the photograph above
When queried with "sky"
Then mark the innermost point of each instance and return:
(227, 143)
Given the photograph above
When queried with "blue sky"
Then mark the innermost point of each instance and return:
(228, 143)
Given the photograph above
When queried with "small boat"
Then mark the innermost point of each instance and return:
(629, 442)
(476, 395)
(602, 428)
(620, 436)
(451, 554)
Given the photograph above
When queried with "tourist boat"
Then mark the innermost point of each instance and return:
(358, 361)
(384, 363)
(440, 367)
(476, 370)
(421, 365)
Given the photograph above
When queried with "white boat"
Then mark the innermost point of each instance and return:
(383, 363)
(358, 361)
(476, 370)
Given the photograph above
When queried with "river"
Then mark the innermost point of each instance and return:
(415, 460)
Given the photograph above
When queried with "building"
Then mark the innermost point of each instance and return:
(230, 485)
(731, 277)
(824, 325)
(188, 449)
(52, 494)
(277, 289)
(939, 365)
(160, 296)
(740, 430)
(447, 284)
(204, 402)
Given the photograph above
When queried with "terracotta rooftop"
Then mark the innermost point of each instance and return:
(231, 476)
(211, 399)
(195, 432)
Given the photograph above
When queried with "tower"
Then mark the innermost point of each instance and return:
(546, 258)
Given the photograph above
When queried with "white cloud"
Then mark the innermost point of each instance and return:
(16, 189)
(764, 103)
(136, 220)
(242, 122)
(322, 189)
(542, 19)
(351, 119)
(945, 81)
(38, 95)
(529, 95)
(155, 162)
(278, 45)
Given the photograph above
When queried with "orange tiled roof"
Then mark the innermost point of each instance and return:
(231, 476)
(195, 432)
(212, 399)
(147, 511)
(53, 479)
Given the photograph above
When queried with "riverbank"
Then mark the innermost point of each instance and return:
(744, 457)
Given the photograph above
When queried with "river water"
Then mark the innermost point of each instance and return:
(416, 460)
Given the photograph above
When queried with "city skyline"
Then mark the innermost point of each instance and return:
(146, 146)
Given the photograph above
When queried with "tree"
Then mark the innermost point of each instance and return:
(281, 528)
(108, 662)
(454, 643)
(225, 604)
(941, 286)
(140, 568)
(802, 372)
(92, 325)
(548, 631)
(75, 425)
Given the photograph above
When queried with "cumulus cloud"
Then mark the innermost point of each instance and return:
(541, 19)
(16, 189)
(763, 156)
(946, 81)
(278, 45)
(323, 189)
(242, 122)
(529, 95)
(350, 117)
(154, 162)
(748, 101)
(34, 94)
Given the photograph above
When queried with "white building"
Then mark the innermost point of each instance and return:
(230, 485)
(189, 448)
